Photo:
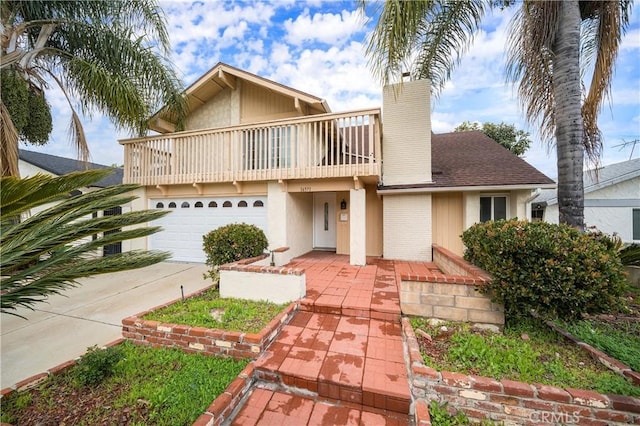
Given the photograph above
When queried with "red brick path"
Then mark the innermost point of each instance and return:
(340, 360)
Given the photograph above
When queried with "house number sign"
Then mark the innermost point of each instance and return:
(305, 189)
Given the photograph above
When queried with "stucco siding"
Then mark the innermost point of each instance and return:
(611, 220)
(299, 223)
(374, 222)
(609, 209)
(276, 216)
(407, 227)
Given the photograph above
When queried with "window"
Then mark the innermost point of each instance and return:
(537, 214)
(493, 208)
(185, 205)
(198, 204)
(172, 205)
(242, 204)
(258, 203)
(227, 204)
(266, 148)
(159, 206)
(636, 224)
(213, 204)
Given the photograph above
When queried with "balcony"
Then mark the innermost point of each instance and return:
(319, 146)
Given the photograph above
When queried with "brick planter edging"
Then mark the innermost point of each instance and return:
(204, 340)
(246, 265)
(606, 360)
(451, 263)
(36, 379)
(217, 411)
(510, 401)
(222, 407)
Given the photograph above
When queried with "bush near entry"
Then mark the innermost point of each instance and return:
(554, 270)
(233, 242)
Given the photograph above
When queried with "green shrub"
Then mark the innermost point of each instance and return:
(233, 242)
(552, 269)
(97, 364)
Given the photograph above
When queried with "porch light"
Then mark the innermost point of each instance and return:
(343, 204)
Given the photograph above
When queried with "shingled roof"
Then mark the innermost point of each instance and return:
(472, 159)
(60, 166)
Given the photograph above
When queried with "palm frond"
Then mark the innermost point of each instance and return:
(431, 34)
(49, 251)
(446, 35)
(602, 33)
(109, 56)
(394, 36)
(529, 61)
(18, 196)
(8, 144)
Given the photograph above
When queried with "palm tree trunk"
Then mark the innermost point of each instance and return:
(568, 118)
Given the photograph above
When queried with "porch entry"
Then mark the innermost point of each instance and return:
(324, 220)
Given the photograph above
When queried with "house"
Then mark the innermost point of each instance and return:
(611, 200)
(31, 163)
(371, 182)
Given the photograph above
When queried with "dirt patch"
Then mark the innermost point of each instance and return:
(70, 405)
(623, 320)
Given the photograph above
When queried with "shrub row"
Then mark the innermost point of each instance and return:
(554, 270)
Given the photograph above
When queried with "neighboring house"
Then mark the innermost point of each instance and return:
(611, 200)
(354, 182)
(31, 163)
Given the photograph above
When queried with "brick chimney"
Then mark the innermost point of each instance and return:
(406, 144)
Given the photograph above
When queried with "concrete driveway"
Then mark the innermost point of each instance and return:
(66, 325)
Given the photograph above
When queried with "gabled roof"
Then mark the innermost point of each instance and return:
(223, 76)
(473, 159)
(61, 165)
(600, 178)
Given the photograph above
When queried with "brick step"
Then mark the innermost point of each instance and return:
(372, 396)
(271, 404)
(386, 311)
(356, 360)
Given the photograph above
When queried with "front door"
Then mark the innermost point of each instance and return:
(324, 220)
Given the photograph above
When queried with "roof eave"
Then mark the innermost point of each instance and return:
(428, 189)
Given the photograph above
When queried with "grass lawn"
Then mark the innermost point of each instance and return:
(146, 386)
(211, 311)
(541, 357)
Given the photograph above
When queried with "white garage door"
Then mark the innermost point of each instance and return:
(191, 218)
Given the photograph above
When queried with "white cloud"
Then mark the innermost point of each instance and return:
(328, 28)
(280, 53)
(318, 47)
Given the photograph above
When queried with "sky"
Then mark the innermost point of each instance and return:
(319, 47)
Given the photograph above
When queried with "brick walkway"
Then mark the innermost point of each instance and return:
(341, 359)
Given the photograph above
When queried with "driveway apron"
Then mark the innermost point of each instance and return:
(63, 327)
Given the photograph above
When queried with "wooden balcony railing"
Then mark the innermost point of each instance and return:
(327, 145)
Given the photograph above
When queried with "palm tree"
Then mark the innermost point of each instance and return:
(107, 55)
(550, 44)
(46, 253)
